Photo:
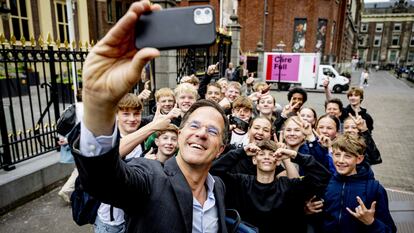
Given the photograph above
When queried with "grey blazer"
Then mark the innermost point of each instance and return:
(155, 197)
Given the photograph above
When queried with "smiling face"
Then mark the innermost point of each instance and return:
(266, 105)
(326, 126)
(166, 104)
(185, 100)
(242, 113)
(200, 139)
(354, 99)
(308, 115)
(293, 134)
(232, 93)
(350, 127)
(345, 163)
(333, 110)
(167, 143)
(265, 161)
(213, 93)
(297, 98)
(260, 130)
(128, 120)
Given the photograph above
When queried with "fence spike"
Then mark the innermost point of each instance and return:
(12, 40)
(29, 131)
(46, 125)
(19, 132)
(80, 45)
(40, 41)
(86, 44)
(58, 43)
(49, 39)
(92, 43)
(10, 135)
(23, 41)
(66, 43)
(2, 38)
(32, 41)
(37, 126)
(73, 44)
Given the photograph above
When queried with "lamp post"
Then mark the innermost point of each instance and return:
(279, 49)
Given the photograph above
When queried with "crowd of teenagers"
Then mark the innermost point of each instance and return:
(213, 145)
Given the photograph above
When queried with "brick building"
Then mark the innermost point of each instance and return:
(326, 26)
(387, 34)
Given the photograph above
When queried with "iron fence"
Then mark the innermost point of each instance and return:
(36, 84)
(196, 60)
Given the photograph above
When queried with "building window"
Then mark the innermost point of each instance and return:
(364, 27)
(299, 34)
(378, 27)
(397, 27)
(62, 21)
(118, 10)
(392, 56)
(395, 40)
(375, 55)
(377, 41)
(410, 57)
(19, 19)
(109, 10)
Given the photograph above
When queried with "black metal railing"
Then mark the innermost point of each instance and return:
(196, 60)
(36, 84)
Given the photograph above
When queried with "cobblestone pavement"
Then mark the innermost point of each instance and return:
(388, 100)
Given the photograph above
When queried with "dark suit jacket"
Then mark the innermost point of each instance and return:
(155, 197)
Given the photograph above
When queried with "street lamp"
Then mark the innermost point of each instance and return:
(279, 49)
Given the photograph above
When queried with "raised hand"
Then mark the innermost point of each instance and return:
(363, 214)
(112, 68)
(251, 149)
(325, 141)
(359, 121)
(283, 153)
(144, 95)
(175, 112)
(313, 206)
(150, 154)
(289, 108)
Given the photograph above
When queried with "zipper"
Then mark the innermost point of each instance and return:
(342, 202)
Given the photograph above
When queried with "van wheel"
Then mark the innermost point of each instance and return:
(337, 89)
(284, 86)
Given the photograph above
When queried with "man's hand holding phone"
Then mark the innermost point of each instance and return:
(111, 70)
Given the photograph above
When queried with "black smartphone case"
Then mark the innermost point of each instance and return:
(173, 28)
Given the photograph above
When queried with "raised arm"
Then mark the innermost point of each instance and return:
(111, 69)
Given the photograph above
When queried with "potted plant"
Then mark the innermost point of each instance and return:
(65, 87)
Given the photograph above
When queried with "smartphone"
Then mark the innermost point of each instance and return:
(240, 124)
(180, 27)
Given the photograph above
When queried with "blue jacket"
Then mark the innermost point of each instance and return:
(341, 193)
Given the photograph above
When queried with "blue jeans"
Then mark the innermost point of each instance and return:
(101, 227)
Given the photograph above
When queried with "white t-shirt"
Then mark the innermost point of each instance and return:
(239, 140)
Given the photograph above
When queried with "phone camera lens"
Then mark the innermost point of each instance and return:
(198, 12)
(207, 11)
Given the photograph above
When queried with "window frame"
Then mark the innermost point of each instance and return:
(362, 26)
(397, 24)
(393, 38)
(375, 38)
(376, 27)
(20, 18)
(64, 23)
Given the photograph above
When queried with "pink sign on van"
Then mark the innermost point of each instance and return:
(286, 64)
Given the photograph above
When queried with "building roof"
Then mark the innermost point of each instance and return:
(385, 4)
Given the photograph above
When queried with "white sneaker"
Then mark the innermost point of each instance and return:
(64, 196)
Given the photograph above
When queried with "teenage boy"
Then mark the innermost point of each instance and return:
(166, 142)
(297, 97)
(269, 203)
(242, 109)
(354, 201)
